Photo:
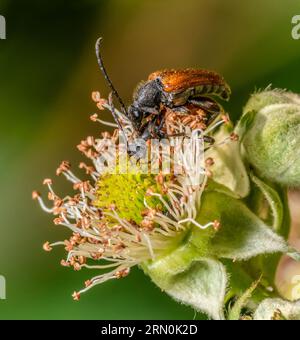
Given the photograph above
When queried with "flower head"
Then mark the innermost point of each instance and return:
(121, 218)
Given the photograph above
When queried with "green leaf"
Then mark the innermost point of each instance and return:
(273, 200)
(286, 224)
(202, 286)
(191, 279)
(270, 263)
(236, 311)
(165, 268)
(278, 309)
(245, 123)
(242, 234)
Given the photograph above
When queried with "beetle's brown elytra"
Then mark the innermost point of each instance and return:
(203, 82)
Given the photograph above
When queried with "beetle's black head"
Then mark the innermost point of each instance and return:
(146, 100)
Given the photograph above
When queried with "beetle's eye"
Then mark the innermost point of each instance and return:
(136, 113)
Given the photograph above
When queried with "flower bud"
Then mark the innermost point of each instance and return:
(271, 135)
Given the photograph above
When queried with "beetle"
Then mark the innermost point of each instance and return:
(178, 90)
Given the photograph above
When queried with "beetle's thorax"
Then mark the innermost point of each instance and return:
(148, 95)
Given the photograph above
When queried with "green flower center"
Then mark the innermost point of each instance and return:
(126, 194)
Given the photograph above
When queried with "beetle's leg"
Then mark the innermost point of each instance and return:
(153, 127)
(158, 128)
(146, 130)
(149, 110)
(208, 139)
(146, 134)
(181, 109)
(207, 105)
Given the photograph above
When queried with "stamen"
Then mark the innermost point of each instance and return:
(94, 118)
(42, 204)
(191, 220)
(149, 245)
(214, 126)
(166, 205)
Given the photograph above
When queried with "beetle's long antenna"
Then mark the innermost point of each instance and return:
(116, 118)
(103, 70)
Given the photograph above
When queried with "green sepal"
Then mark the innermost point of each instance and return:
(198, 282)
(242, 234)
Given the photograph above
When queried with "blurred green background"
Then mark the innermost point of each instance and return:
(47, 72)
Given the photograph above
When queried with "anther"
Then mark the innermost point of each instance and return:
(47, 247)
(35, 195)
(96, 96)
(94, 117)
(90, 141)
(76, 296)
(63, 167)
(234, 137)
(88, 169)
(58, 220)
(160, 178)
(225, 119)
(147, 224)
(122, 273)
(68, 245)
(51, 196)
(209, 161)
(149, 192)
(47, 181)
(77, 266)
(216, 225)
(101, 104)
(87, 283)
(64, 263)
